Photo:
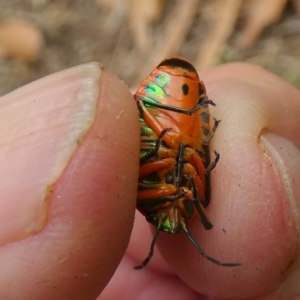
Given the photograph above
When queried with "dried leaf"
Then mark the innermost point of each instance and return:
(225, 19)
(115, 13)
(297, 5)
(20, 39)
(141, 16)
(260, 14)
(109, 4)
(177, 25)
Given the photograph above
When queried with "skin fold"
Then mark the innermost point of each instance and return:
(69, 177)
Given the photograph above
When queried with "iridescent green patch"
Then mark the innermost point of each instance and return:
(163, 79)
(146, 131)
(154, 89)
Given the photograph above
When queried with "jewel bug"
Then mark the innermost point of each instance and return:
(174, 174)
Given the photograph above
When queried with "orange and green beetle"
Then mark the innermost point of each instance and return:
(174, 174)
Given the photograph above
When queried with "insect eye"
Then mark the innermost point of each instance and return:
(185, 89)
(169, 178)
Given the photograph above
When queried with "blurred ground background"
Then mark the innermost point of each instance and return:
(130, 37)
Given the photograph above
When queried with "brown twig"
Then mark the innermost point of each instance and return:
(225, 20)
(177, 25)
(260, 14)
(142, 14)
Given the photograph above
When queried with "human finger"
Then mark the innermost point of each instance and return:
(68, 180)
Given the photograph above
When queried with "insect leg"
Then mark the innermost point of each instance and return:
(154, 166)
(151, 252)
(212, 132)
(214, 163)
(209, 168)
(152, 121)
(185, 111)
(213, 260)
(202, 181)
(196, 202)
(179, 165)
(160, 138)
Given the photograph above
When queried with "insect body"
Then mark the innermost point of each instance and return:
(174, 181)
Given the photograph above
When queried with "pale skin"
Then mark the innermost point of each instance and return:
(68, 193)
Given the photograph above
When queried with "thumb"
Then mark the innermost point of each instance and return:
(255, 190)
(68, 179)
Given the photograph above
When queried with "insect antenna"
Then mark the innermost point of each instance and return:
(213, 260)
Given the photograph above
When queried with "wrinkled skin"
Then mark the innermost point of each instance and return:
(71, 247)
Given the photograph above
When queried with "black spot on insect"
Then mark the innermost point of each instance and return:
(201, 89)
(185, 89)
(205, 131)
(204, 117)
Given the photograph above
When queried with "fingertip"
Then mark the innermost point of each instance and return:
(99, 185)
(82, 170)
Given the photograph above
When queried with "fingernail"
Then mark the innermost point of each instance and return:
(287, 158)
(41, 125)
